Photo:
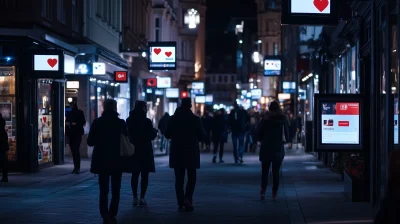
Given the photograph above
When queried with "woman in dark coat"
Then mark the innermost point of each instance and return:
(272, 128)
(3, 150)
(142, 134)
(219, 134)
(104, 135)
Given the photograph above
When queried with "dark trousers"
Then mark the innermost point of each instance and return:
(104, 183)
(276, 166)
(221, 148)
(74, 144)
(4, 163)
(181, 195)
(143, 184)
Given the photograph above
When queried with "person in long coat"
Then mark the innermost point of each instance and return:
(273, 133)
(185, 131)
(142, 134)
(104, 135)
(219, 134)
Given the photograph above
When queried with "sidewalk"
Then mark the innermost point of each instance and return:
(225, 193)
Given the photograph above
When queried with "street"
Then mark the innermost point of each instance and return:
(225, 193)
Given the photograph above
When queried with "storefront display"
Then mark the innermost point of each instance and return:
(45, 127)
(8, 108)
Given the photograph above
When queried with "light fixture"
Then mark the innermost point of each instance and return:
(144, 54)
(192, 18)
(69, 99)
(240, 41)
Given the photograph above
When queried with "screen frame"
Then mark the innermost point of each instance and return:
(289, 18)
(318, 146)
(160, 44)
(166, 90)
(272, 58)
(48, 74)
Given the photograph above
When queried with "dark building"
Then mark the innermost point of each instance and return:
(33, 36)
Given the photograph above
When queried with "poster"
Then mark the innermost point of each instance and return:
(340, 123)
(45, 139)
(6, 111)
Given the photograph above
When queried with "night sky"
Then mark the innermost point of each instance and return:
(219, 15)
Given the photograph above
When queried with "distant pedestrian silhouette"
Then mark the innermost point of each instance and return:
(3, 150)
(75, 122)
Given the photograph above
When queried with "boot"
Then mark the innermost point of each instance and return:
(262, 193)
(214, 159)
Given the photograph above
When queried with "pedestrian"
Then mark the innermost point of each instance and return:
(206, 120)
(389, 210)
(162, 126)
(238, 119)
(104, 135)
(75, 123)
(273, 133)
(219, 134)
(142, 134)
(3, 150)
(185, 131)
(292, 129)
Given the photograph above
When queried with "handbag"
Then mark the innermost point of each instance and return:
(126, 147)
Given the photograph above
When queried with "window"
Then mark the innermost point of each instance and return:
(157, 27)
(266, 48)
(60, 11)
(157, 35)
(75, 25)
(276, 49)
(220, 79)
(267, 25)
(226, 79)
(213, 79)
(99, 8)
(232, 78)
(46, 9)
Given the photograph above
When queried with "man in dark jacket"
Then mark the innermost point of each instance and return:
(238, 119)
(162, 127)
(105, 134)
(185, 131)
(75, 123)
(206, 120)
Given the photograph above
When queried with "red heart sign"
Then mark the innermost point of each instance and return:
(44, 119)
(321, 4)
(157, 50)
(267, 63)
(52, 62)
(168, 53)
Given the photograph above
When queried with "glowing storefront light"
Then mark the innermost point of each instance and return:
(192, 18)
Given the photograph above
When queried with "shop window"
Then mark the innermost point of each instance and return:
(101, 96)
(45, 121)
(8, 108)
(93, 110)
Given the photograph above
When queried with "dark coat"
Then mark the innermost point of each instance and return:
(104, 135)
(141, 133)
(270, 134)
(389, 211)
(77, 130)
(237, 121)
(163, 123)
(185, 131)
(219, 128)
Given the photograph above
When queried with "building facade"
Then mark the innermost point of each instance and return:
(269, 33)
(34, 47)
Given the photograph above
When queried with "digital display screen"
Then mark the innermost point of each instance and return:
(340, 123)
(311, 6)
(272, 67)
(172, 93)
(162, 55)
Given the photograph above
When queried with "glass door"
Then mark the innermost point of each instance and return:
(8, 109)
(45, 122)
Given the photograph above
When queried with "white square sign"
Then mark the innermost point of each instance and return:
(162, 55)
(45, 63)
(311, 6)
(164, 82)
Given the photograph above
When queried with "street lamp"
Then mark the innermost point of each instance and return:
(192, 18)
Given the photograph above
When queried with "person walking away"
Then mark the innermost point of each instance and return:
(185, 131)
(253, 125)
(389, 210)
(219, 134)
(75, 123)
(207, 125)
(104, 136)
(238, 119)
(3, 150)
(292, 130)
(162, 126)
(273, 132)
(142, 134)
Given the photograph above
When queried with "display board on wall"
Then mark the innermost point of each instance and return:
(162, 56)
(310, 12)
(338, 122)
(272, 66)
